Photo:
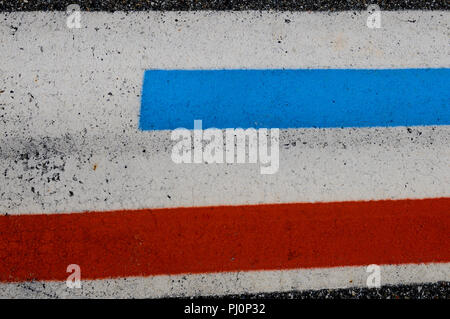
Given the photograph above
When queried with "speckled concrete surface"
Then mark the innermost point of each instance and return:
(69, 106)
(294, 5)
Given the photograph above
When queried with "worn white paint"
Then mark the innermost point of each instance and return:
(74, 106)
(229, 283)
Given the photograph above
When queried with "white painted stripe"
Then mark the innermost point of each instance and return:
(60, 122)
(204, 40)
(61, 109)
(315, 165)
(229, 283)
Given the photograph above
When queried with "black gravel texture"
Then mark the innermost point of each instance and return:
(186, 5)
(440, 290)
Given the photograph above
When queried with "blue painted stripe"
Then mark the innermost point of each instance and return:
(295, 98)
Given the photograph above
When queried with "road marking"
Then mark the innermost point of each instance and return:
(224, 238)
(294, 98)
(71, 142)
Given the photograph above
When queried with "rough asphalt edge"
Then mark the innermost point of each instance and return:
(439, 290)
(186, 5)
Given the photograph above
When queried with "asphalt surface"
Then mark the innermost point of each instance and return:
(182, 5)
(439, 290)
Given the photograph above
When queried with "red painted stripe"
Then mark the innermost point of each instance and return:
(226, 238)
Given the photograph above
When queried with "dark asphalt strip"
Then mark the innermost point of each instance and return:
(183, 5)
(439, 290)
